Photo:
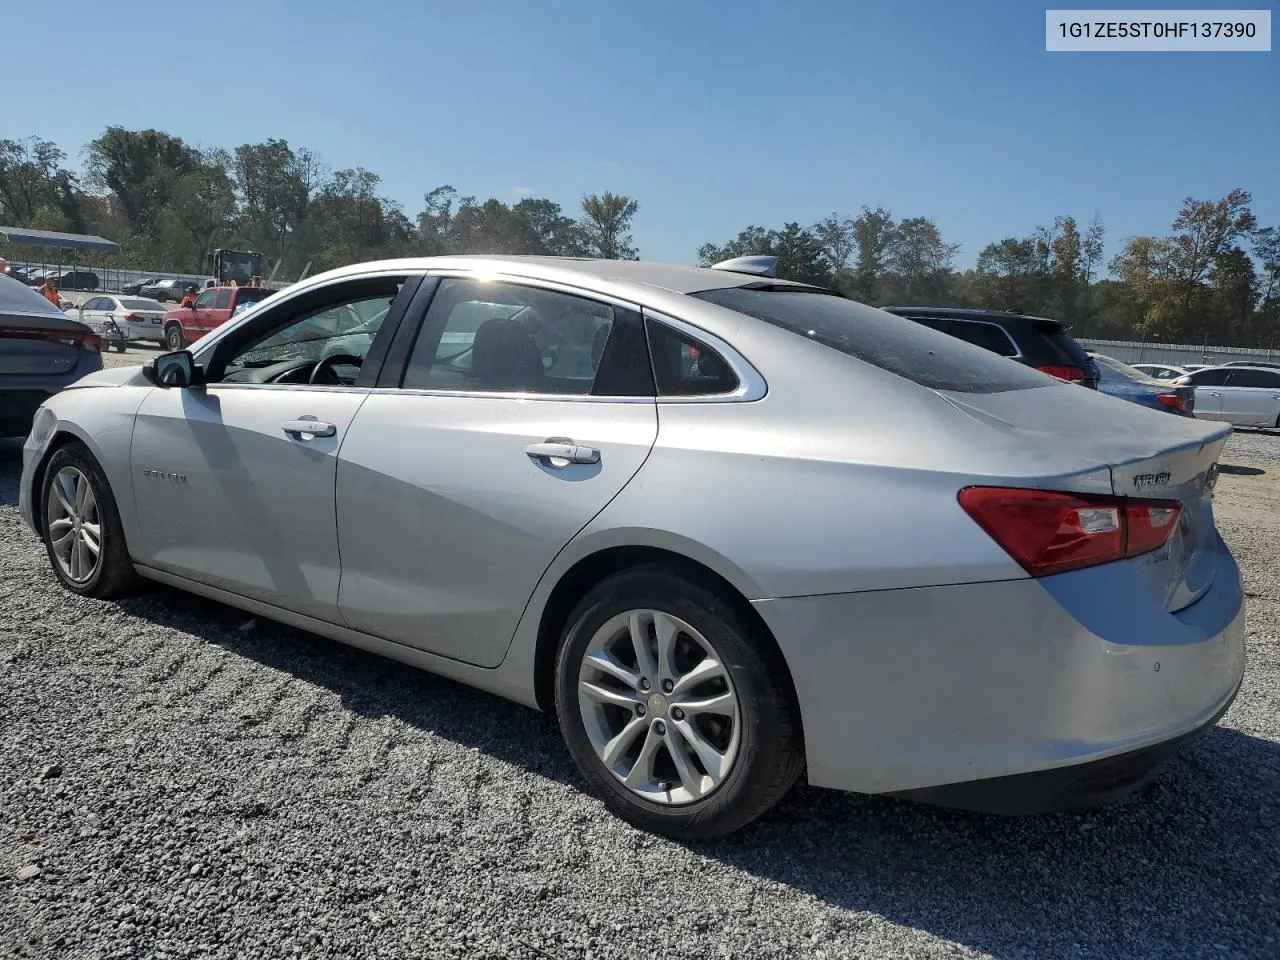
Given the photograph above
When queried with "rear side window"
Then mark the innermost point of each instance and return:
(1253, 378)
(893, 343)
(685, 367)
(988, 336)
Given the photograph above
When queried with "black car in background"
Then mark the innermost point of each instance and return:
(76, 280)
(1036, 341)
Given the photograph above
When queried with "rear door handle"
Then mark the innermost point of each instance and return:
(308, 427)
(562, 448)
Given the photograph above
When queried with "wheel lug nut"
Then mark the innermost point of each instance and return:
(644, 684)
(677, 713)
(667, 686)
(660, 728)
(639, 709)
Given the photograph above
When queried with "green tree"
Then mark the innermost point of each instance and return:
(141, 169)
(276, 185)
(31, 179)
(801, 255)
(921, 261)
(606, 229)
(873, 236)
(203, 205)
(838, 239)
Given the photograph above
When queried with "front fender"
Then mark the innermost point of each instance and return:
(104, 425)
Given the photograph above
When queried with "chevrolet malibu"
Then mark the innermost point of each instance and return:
(727, 527)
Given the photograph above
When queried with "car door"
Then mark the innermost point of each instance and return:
(1251, 397)
(201, 315)
(233, 487)
(521, 411)
(1208, 385)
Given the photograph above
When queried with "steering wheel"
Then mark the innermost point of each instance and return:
(323, 372)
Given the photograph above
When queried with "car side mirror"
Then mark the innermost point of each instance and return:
(177, 369)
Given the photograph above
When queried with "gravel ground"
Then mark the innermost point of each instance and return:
(179, 781)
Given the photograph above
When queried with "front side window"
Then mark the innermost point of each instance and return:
(335, 331)
(493, 336)
(205, 300)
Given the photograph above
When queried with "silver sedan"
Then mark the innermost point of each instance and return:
(728, 528)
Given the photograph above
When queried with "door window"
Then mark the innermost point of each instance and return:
(205, 300)
(286, 344)
(497, 337)
(223, 300)
(1207, 378)
(1254, 378)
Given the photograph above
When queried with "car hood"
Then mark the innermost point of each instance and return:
(115, 377)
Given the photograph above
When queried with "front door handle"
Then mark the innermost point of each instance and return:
(562, 449)
(1215, 394)
(308, 427)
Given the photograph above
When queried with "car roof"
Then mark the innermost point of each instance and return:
(971, 313)
(607, 274)
(1237, 366)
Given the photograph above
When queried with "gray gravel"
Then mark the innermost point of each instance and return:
(179, 781)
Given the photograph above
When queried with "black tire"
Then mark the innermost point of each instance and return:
(173, 338)
(115, 574)
(771, 748)
(121, 346)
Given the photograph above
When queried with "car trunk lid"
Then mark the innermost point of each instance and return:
(1149, 456)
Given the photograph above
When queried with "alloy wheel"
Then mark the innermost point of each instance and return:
(659, 707)
(75, 529)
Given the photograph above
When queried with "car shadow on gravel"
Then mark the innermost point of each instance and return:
(10, 470)
(1157, 875)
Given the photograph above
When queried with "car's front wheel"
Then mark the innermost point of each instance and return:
(81, 526)
(173, 338)
(675, 708)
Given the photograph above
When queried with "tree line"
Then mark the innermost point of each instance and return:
(1213, 278)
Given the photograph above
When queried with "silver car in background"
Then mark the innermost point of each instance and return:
(1247, 396)
(728, 528)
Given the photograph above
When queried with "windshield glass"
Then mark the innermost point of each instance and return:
(901, 346)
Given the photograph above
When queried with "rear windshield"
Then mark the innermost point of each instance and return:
(1110, 368)
(901, 346)
(139, 304)
(1053, 347)
(253, 294)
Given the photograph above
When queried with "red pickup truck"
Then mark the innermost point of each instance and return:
(214, 307)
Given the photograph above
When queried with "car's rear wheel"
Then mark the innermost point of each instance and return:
(81, 526)
(676, 710)
(173, 338)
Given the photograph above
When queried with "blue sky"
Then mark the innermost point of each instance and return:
(713, 115)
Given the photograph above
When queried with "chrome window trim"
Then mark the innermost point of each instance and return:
(499, 395)
(556, 286)
(751, 385)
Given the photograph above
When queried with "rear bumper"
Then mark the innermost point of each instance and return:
(1076, 787)
(938, 687)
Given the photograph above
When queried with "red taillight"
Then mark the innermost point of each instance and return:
(1049, 532)
(1172, 401)
(71, 338)
(133, 318)
(1069, 374)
